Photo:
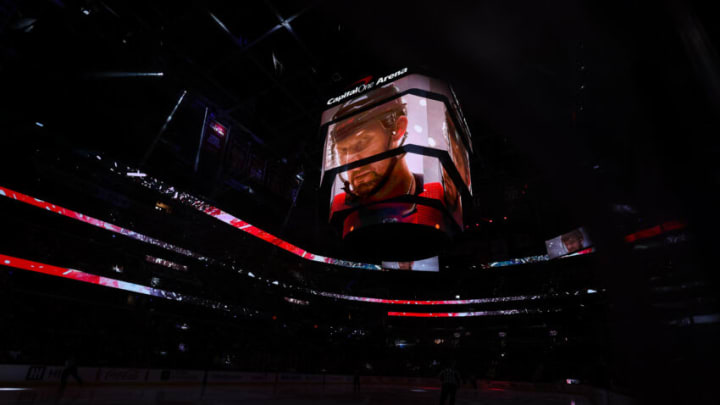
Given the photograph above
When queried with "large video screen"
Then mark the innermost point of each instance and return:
(407, 120)
(571, 242)
(419, 82)
(383, 120)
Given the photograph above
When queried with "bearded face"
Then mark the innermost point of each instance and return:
(368, 140)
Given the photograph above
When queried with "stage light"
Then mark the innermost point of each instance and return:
(220, 24)
(86, 11)
(39, 124)
(135, 174)
(591, 291)
(457, 297)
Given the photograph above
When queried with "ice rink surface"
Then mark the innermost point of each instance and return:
(220, 395)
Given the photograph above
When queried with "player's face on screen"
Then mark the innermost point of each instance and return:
(405, 265)
(573, 244)
(368, 140)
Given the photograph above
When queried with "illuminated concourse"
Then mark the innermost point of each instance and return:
(358, 202)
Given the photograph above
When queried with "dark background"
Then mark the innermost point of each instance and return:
(595, 114)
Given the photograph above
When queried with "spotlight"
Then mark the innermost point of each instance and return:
(135, 174)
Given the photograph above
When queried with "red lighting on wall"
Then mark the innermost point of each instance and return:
(72, 274)
(77, 275)
(655, 231)
(24, 198)
(468, 314)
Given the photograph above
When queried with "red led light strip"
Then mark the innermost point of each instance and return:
(81, 276)
(655, 231)
(223, 216)
(77, 275)
(241, 225)
(6, 192)
(500, 312)
(579, 253)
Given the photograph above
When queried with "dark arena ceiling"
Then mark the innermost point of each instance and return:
(594, 114)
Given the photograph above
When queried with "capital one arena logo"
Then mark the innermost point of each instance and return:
(366, 84)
